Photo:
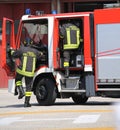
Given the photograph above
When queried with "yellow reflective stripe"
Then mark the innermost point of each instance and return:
(28, 94)
(74, 27)
(18, 83)
(70, 45)
(31, 54)
(78, 37)
(68, 35)
(29, 74)
(66, 64)
(23, 71)
(24, 62)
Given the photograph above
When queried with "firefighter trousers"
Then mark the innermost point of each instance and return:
(28, 81)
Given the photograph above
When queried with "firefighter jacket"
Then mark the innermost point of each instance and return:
(28, 57)
(70, 34)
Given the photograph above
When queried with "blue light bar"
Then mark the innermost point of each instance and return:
(54, 12)
(27, 11)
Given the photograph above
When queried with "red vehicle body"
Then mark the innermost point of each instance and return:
(94, 68)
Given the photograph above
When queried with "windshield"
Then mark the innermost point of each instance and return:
(37, 30)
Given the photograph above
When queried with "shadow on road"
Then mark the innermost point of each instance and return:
(11, 106)
(89, 103)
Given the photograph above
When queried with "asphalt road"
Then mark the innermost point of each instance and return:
(97, 114)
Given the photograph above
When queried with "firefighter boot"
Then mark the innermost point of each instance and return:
(16, 91)
(27, 100)
(21, 92)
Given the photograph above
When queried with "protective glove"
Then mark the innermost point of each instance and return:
(10, 54)
(11, 51)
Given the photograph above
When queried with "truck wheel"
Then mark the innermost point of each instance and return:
(79, 99)
(46, 92)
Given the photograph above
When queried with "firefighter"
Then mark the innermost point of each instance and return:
(70, 37)
(28, 57)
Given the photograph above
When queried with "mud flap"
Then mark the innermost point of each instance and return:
(90, 86)
(11, 86)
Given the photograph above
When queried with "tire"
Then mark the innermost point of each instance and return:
(46, 92)
(80, 99)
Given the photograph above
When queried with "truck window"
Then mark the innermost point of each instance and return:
(37, 30)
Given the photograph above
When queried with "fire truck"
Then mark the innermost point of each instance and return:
(94, 68)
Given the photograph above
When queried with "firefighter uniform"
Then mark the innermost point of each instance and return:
(28, 57)
(70, 35)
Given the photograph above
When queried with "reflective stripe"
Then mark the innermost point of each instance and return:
(24, 62)
(78, 37)
(68, 36)
(18, 83)
(66, 64)
(69, 44)
(88, 68)
(24, 71)
(28, 94)
(29, 74)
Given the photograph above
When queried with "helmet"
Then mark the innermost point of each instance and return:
(28, 41)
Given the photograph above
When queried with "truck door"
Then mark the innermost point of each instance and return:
(8, 41)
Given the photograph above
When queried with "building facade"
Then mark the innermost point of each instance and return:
(15, 9)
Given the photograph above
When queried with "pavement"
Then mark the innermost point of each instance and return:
(97, 114)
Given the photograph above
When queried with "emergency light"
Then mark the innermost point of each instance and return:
(54, 12)
(27, 11)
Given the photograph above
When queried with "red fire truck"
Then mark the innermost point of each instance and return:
(94, 69)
